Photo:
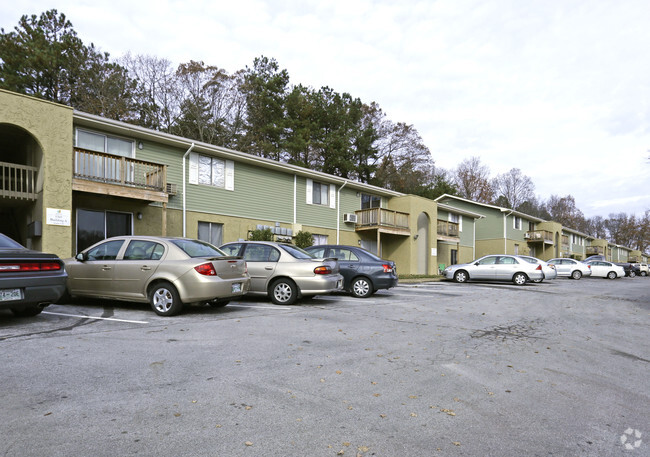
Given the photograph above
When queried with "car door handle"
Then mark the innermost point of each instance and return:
(352, 266)
(106, 268)
(145, 268)
(268, 268)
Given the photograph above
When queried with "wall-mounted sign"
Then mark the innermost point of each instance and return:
(57, 216)
(434, 252)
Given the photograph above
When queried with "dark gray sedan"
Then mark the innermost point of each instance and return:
(29, 280)
(363, 272)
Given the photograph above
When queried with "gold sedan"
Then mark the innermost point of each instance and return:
(165, 272)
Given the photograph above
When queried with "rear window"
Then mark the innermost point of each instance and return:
(196, 248)
(296, 252)
(8, 243)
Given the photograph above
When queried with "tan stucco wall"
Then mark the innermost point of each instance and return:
(50, 125)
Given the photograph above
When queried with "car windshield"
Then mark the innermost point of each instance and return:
(296, 252)
(196, 248)
(8, 243)
(529, 259)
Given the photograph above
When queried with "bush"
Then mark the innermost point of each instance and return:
(304, 239)
(260, 235)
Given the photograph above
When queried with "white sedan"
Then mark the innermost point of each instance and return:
(604, 269)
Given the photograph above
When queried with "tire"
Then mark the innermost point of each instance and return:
(643, 274)
(632, 274)
(218, 303)
(519, 279)
(361, 287)
(283, 292)
(611, 275)
(164, 299)
(577, 274)
(537, 280)
(29, 311)
(461, 276)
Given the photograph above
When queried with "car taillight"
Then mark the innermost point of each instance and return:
(206, 269)
(18, 267)
(387, 268)
(539, 267)
(322, 270)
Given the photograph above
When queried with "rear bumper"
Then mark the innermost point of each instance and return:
(316, 285)
(206, 288)
(46, 291)
(385, 282)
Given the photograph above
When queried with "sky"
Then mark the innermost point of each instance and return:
(557, 88)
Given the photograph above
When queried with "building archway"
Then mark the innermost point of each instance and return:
(422, 244)
(20, 160)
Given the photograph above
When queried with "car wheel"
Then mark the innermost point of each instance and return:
(29, 311)
(460, 276)
(611, 275)
(632, 274)
(577, 274)
(218, 303)
(361, 288)
(283, 292)
(643, 273)
(519, 279)
(164, 299)
(538, 280)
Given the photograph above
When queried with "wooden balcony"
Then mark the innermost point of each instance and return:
(18, 181)
(118, 176)
(594, 250)
(539, 236)
(448, 230)
(383, 220)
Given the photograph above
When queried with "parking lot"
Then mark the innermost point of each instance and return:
(437, 368)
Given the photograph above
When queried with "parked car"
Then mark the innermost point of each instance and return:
(604, 269)
(643, 268)
(363, 272)
(630, 269)
(166, 272)
(496, 268)
(285, 272)
(595, 257)
(570, 268)
(548, 269)
(29, 280)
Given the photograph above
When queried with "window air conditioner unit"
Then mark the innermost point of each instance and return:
(171, 189)
(350, 217)
(527, 235)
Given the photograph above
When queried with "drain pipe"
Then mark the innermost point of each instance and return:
(338, 212)
(184, 201)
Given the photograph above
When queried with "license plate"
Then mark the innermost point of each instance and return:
(236, 287)
(10, 294)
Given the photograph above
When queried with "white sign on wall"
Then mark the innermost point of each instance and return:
(434, 252)
(57, 217)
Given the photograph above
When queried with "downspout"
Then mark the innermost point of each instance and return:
(184, 201)
(338, 212)
(505, 231)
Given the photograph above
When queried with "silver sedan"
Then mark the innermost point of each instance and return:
(549, 270)
(496, 268)
(285, 272)
(570, 268)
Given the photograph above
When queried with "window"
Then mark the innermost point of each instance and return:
(196, 248)
(106, 251)
(454, 256)
(143, 250)
(94, 226)
(211, 232)
(456, 219)
(370, 201)
(104, 143)
(320, 194)
(516, 249)
(211, 171)
(261, 253)
(319, 239)
(344, 254)
(517, 222)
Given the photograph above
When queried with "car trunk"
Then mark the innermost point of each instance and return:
(228, 267)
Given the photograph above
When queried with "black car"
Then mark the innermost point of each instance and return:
(29, 280)
(363, 272)
(631, 270)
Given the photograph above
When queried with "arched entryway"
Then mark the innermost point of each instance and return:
(422, 244)
(20, 159)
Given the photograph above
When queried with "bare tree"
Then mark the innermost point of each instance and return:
(565, 211)
(472, 179)
(514, 187)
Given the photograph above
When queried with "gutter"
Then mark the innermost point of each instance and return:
(338, 211)
(184, 200)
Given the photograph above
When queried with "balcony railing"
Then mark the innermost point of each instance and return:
(17, 181)
(594, 250)
(381, 217)
(544, 236)
(124, 171)
(446, 228)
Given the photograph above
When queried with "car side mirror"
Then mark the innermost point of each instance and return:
(81, 257)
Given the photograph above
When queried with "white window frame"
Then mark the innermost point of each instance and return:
(106, 137)
(331, 193)
(319, 239)
(229, 171)
(515, 225)
(458, 219)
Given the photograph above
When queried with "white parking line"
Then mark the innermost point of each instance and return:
(232, 305)
(99, 318)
